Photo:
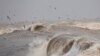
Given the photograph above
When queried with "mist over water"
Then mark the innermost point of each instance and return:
(43, 27)
(28, 10)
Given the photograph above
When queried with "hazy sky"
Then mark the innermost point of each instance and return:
(17, 10)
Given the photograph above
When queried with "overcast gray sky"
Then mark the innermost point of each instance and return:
(21, 10)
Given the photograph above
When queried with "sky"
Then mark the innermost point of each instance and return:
(28, 10)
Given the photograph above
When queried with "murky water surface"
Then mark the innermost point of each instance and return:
(27, 41)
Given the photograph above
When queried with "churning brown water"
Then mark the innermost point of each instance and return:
(46, 39)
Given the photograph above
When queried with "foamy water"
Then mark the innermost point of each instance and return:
(33, 39)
